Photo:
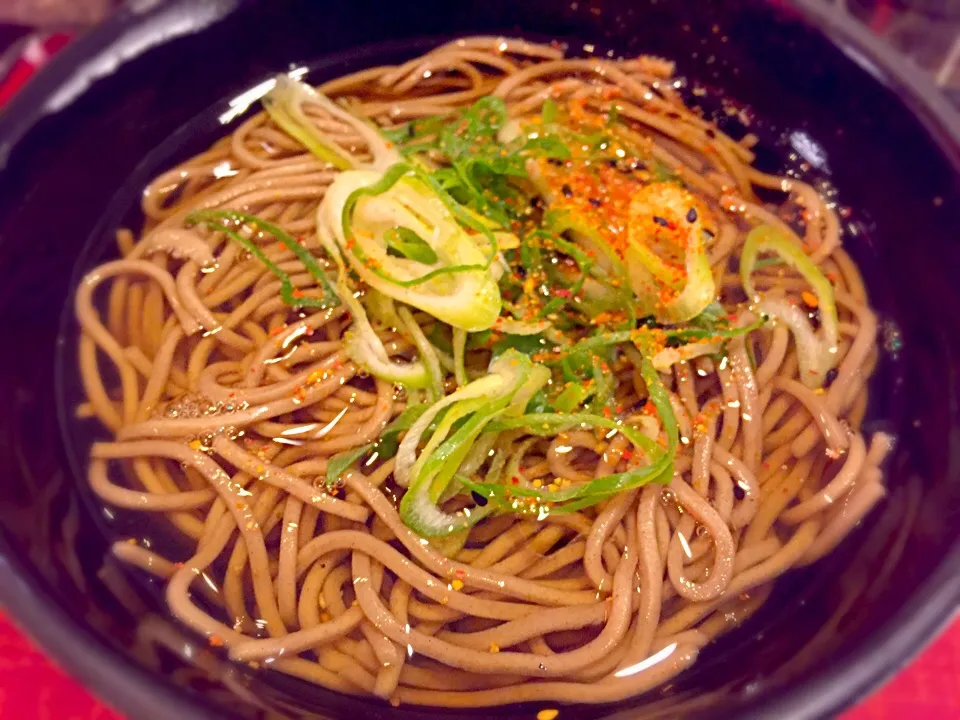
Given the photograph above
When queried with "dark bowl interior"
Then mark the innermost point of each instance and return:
(146, 90)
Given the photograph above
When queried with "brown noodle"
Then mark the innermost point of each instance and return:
(195, 367)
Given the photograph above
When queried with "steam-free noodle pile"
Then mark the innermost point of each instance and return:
(626, 399)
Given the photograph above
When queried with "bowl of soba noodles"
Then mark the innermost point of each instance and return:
(526, 360)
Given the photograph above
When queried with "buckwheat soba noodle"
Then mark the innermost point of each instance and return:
(481, 379)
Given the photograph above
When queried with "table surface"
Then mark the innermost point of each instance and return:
(31, 687)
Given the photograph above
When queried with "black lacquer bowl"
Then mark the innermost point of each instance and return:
(149, 88)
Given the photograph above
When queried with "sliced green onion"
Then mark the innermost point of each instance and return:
(459, 350)
(816, 350)
(338, 464)
(404, 242)
(359, 211)
(604, 282)
(573, 396)
(284, 104)
(213, 219)
(511, 381)
(576, 497)
(428, 353)
(664, 292)
(651, 337)
(548, 113)
(361, 342)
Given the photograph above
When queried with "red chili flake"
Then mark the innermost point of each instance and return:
(515, 480)
(562, 292)
(308, 331)
(460, 572)
(297, 293)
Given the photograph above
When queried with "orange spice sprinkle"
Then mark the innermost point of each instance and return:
(809, 298)
(216, 641)
(494, 648)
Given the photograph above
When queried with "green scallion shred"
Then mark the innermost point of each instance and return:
(214, 219)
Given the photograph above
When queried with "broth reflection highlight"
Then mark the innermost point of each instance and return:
(482, 379)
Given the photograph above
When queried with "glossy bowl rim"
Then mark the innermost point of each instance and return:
(136, 692)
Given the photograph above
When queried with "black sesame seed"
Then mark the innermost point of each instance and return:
(692, 215)
(555, 161)
(673, 115)
(536, 202)
(613, 163)
(566, 190)
(662, 222)
(710, 133)
(595, 202)
(478, 498)
(738, 492)
(830, 377)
